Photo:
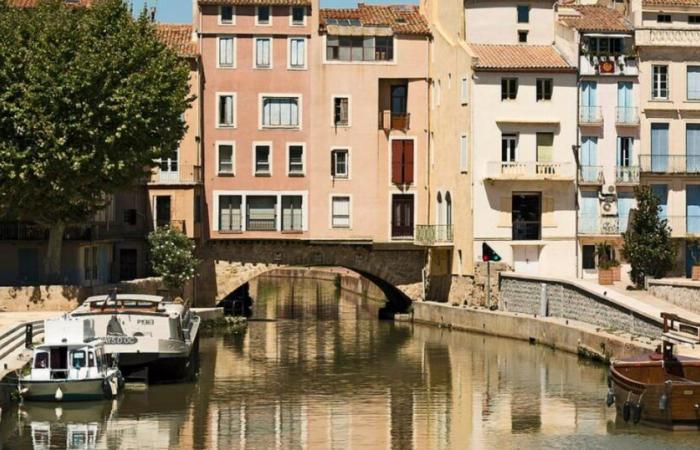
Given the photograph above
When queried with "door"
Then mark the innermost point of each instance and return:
(625, 203)
(589, 159)
(401, 216)
(162, 210)
(661, 192)
(508, 144)
(588, 260)
(128, 264)
(692, 147)
(526, 259)
(589, 101)
(692, 254)
(169, 167)
(28, 265)
(692, 208)
(625, 103)
(659, 147)
(588, 221)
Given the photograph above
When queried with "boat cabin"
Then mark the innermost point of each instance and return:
(69, 361)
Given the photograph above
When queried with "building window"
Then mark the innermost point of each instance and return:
(693, 83)
(463, 155)
(262, 15)
(340, 212)
(659, 82)
(340, 163)
(280, 112)
(226, 52)
(402, 161)
(544, 89)
(523, 13)
(464, 90)
(226, 15)
(230, 213)
(341, 111)
(295, 155)
(263, 53)
(261, 213)
(508, 146)
(292, 213)
(225, 105)
(509, 88)
(359, 48)
(522, 36)
(263, 160)
(588, 257)
(298, 15)
(297, 53)
(694, 19)
(663, 18)
(526, 217)
(402, 211)
(226, 158)
(624, 152)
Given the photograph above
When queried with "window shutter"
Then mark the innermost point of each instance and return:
(332, 164)
(548, 212)
(506, 211)
(396, 163)
(408, 162)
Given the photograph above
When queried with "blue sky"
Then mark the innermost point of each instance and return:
(180, 11)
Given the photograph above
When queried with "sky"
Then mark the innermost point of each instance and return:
(180, 11)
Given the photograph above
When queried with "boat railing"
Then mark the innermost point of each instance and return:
(680, 330)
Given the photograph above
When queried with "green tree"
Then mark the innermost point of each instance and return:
(648, 246)
(89, 97)
(172, 256)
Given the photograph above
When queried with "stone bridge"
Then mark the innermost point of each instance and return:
(397, 269)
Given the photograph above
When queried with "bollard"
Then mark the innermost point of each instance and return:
(28, 335)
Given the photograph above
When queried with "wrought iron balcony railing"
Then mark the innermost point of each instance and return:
(626, 116)
(627, 175)
(184, 174)
(591, 175)
(433, 235)
(688, 164)
(590, 115)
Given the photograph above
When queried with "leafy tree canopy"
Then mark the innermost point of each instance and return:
(172, 256)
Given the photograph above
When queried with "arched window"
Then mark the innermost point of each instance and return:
(448, 209)
(440, 210)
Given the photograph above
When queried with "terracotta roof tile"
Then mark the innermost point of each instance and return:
(178, 37)
(519, 58)
(257, 2)
(594, 18)
(403, 19)
(671, 3)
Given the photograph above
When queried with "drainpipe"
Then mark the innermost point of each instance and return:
(429, 134)
(575, 148)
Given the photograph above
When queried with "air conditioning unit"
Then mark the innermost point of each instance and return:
(609, 189)
(608, 207)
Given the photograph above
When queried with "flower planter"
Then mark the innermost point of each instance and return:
(605, 277)
(696, 273)
(616, 273)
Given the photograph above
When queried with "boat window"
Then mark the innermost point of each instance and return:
(91, 359)
(78, 359)
(41, 360)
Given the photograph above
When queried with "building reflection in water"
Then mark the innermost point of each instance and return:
(315, 369)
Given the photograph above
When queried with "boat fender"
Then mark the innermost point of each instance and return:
(663, 402)
(610, 399)
(114, 386)
(636, 413)
(626, 411)
(120, 379)
(609, 382)
(106, 389)
(59, 394)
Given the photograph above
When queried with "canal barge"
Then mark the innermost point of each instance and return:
(69, 366)
(153, 339)
(660, 389)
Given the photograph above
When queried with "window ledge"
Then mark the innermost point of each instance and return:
(340, 178)
(280, 127)
(226, 174)
(230, 231)
(263, 174)
(298, 69)
(296, 174)
(292, 231)
(263, 68)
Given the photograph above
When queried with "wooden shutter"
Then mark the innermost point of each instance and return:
(407, 162)
(548, 212)
(396, 162)
(506, 212)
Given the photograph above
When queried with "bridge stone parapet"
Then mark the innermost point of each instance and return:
(228, 264)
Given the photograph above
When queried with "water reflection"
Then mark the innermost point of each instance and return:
(315, 369)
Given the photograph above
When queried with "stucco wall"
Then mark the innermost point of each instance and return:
(489, 21)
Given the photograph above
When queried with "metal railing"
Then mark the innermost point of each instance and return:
(591, 175)
(627, 174)
(517, 170)
(590, 115)
(595, 224)
(186, 173)
(394, 121)
(429, 235)
(626, 115)
(670, 163)
(14, 339)
(261, 224)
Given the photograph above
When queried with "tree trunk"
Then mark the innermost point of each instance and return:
(52, 264)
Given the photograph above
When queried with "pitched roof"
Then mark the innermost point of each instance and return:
(519, 58)
(177, 37)
(671, 3)
(257, 2)
(403, 19)
(593, 18)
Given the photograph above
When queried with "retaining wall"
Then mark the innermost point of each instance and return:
(685, 294)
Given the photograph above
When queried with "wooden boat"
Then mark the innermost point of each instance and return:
(660, 389)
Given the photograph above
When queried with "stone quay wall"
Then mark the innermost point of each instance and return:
(558, 298)
(685, 294)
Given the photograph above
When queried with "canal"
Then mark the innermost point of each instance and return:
(316, 369)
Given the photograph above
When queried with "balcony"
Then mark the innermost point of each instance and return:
(594, 64)
(394, 121)
(666, 164)
(596, 225)
(433, 235)
(627, 175)
(590, 116)
(626, 116)
(591, 175)
(683, 226)
(186, 174)
(530, 170)
(675, 37)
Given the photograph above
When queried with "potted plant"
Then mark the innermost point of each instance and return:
(605, 265)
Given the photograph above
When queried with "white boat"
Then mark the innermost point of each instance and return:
(155, 339)
(70, 365)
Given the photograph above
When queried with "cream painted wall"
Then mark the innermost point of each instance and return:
(495, 21)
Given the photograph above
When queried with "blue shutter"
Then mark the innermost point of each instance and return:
(659, 147)
(588, 221)
(661, 192)
(693, 83)
(692, 205)
(588, 158)
(692, 147)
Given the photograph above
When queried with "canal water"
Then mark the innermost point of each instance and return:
(316, 369)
